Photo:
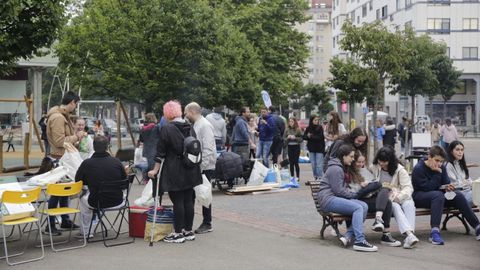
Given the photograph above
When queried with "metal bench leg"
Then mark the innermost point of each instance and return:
(447, 218)
(324, 226)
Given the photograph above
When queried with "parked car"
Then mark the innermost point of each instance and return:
(137, 124)
(110, 127)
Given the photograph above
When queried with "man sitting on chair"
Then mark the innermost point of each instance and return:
(101, 167)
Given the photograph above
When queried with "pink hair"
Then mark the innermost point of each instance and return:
(172, 110)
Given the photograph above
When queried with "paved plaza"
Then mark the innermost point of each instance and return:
(274, 231)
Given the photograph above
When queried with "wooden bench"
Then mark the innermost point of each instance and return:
(334, 219)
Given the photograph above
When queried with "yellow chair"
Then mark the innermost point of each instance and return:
(64, 190)
(21, 197)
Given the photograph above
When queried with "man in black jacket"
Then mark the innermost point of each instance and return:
(101, 167)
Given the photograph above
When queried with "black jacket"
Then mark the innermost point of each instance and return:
(175, 176)
(99, 168)
(316, 142)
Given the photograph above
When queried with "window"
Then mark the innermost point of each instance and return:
(439, 2)
(470, 24)
(438, 25)
(358, 19)
(408, 24)
(352, 16)
(371, 5)
(398, 4)
(447, 52)
(333, 42)
(378, 14)
(364, 10)
(470, 52)
(384, 12)
(408, 3)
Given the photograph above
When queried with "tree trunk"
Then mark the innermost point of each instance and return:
(351, 115)
(444, 109)
(374, 116)
(431, 110)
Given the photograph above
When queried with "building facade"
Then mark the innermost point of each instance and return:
(456, 23)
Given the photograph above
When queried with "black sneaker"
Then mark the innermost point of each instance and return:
(189, 236)
(67, 225)
(204, 228)
(55, 231)
(378, 226)
(174, 238)
(388, 240)
(364, 246)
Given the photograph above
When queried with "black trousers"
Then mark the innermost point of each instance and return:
(436, 202)
(293, 155)
(276, 148)
(182, 209)
(381, 202)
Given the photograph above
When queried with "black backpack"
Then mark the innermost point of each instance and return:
(192, 149)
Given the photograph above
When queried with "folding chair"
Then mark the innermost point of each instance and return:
(64, 190)
(21, 197)
(127, 155)
(106, 189)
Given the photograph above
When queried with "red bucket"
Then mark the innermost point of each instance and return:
(137, 219)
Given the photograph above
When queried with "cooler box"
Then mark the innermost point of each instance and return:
(137, 219)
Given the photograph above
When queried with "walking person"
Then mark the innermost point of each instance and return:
(266, 129)
(43, 127)
(240, 135)
(206, 135)
(252, 130)
(314, 135)
(278, 133)
(435, 131)
(177, 178)
(431, 184)
(401, 134)
(449, 133)
(219, 127)
(390, 133)
(293, 138)
(60, 130)
(334, 128)
(334, 196)
(388, 171)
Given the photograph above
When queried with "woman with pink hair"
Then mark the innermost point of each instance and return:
(176, 178)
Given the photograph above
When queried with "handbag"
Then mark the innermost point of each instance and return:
(203, 192)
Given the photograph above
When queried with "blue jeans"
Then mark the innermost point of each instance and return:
(263, 151)
(316, 160)
(357, 209)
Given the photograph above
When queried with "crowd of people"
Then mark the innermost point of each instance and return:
(339, 160)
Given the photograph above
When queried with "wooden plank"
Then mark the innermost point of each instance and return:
(26, 147)
(1, 154)
(13, 100)
(119, 132)
(129, 129)
(35, 127)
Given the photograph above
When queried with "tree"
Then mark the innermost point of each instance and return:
(378, 50)
(27, 26)
(269, 27)
(152, 51)
(312, 95)
(420, 76)
(356, 83)
(448, 78)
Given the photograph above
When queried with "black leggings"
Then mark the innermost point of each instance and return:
(182, 209)
(293, 155)
(381, 202)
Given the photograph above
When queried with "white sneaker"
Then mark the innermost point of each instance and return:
(410, 241)
(345, 241)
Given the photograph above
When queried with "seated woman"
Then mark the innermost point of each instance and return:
(457, 169)
(431, 185)
(334, 196)
(387, 169)
(378, 202)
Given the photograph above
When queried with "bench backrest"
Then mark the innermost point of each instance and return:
(315, 187)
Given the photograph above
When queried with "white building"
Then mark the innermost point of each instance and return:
(454, 22)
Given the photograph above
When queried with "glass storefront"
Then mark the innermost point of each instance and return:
(461, 113)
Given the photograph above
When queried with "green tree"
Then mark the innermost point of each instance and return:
(378, 50)
(356, 83)
(27, 26)
(269, 26)
(448, 78)
(420, 78)
(150, 51)
(314, 95)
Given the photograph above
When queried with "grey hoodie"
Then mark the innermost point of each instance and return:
(333, 184)
(219, 126)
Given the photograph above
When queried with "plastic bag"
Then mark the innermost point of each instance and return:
(285, 175)
(273, 175)
(138, 157)
(71, 160)
(476, 192)
(50, 177)
(146, 199)
(259, 172)
(203, 192)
